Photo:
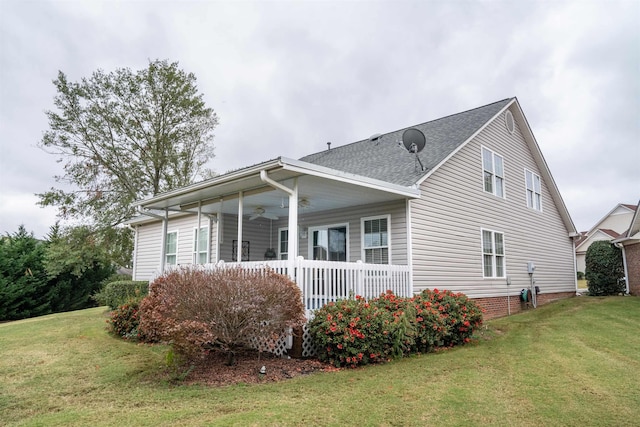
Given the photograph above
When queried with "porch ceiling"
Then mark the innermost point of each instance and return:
(315, 193)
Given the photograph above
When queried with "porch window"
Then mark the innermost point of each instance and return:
(201, 245)
(534, 196)
(493, 170)
(375, 240)
(493, 254)
(283, 242)
(171, 248)
(329, 243)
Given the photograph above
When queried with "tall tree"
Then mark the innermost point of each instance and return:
(124, 136)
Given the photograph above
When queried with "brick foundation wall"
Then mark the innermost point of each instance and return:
(632, 253)
(499, 307)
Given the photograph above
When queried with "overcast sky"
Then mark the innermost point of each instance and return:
(286, 77)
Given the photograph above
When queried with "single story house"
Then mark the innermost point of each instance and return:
(629, 242)
(464, 202)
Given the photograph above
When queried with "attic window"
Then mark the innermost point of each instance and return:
(508, 121)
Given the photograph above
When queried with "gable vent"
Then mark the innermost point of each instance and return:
(508, 121)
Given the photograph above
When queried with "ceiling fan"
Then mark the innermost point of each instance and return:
(303, 202)
(259, 212)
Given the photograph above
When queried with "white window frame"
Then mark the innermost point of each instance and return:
(327, 227)
(167, 254)
(196, 248)
(362, 237)
(495, 177)
(283, 255)
(533, 195)
(493, 254)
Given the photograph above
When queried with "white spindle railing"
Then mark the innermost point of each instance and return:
(325, 281)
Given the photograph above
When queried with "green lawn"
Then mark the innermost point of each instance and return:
(574, 362)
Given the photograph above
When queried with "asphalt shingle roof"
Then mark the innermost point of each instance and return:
(385, 160)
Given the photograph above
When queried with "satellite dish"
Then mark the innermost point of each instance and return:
(413, 140)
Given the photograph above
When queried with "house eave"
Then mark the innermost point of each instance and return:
(249, 180)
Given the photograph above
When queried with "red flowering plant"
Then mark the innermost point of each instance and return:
(430, 326)
(459, 315)
(402, 340)
(353, 332)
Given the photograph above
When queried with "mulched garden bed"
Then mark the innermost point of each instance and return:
(213, 371)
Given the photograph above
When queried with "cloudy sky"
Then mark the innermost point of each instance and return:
(286, 77)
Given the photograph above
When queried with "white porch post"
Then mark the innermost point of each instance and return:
(293, 230)
(293, 219)
(240, 213)
(163, 247)
(196, 249)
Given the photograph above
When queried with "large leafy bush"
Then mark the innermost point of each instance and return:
(225, 309)
(604, 269)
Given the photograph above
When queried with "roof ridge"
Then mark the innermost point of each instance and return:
(414, 125)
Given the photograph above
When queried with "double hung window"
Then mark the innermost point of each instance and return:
(375, 240)
(171, 248)
(493, 172)
(201, 245)
(534, 196)
(493, 259)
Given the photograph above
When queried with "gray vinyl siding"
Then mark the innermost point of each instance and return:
(147, 253)
(149, 250)
(447, 222)
(257, 231)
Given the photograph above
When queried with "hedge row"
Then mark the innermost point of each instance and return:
(114, 294)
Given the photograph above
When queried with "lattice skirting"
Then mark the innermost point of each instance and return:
(280, 345)
(308, 347)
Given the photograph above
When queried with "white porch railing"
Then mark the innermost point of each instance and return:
(325, 281)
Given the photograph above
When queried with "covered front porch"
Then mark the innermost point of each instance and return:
(333, 233)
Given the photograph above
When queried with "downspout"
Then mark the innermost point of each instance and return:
(624, 264)
(293, 218)
(409, 246)
(575, 264)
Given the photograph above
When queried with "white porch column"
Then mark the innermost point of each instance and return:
(240, 213)
(196, 249)
(163, 247)
(293, 229)
(293, 219)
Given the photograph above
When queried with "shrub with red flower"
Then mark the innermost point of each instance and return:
(356, 332)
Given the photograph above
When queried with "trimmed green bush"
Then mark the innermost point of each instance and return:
(604, 269)
(114, 294)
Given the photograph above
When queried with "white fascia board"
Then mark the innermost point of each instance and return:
(461, 146)
(228, 177)
(542, 163)
(341, 176)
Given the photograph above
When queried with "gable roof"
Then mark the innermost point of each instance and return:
(596, 228)
(392, 163)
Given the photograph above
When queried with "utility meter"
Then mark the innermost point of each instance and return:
(530, 267)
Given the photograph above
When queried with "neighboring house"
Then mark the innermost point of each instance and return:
(612, 226)
(468, 213)
(630, 244)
